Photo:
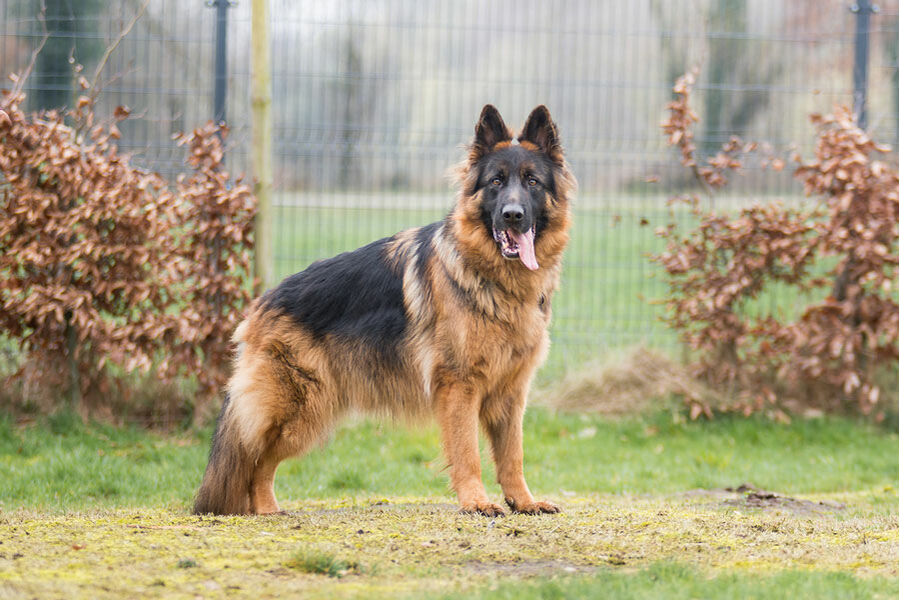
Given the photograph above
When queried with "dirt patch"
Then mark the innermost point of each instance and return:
(380, 506)
(528, 568)
(414, 507)
(747, 496)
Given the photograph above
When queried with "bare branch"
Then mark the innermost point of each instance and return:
(23, 76)
(95, 90)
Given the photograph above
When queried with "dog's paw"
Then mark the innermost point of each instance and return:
(534, 508)
(488, 509)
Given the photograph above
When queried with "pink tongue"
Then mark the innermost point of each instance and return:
(525, 243)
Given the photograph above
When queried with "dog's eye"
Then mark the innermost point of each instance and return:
(532, 182)
(496, 181)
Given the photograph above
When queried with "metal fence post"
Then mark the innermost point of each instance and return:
(862, 10)
(221, 58)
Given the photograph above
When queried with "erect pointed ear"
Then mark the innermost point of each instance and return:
(540, 131)
(490, 131)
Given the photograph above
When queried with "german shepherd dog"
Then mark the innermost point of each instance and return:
(450, 319)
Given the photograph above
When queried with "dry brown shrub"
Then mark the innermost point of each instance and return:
(843, 250)
(106, 268)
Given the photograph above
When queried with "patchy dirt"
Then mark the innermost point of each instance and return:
(385, 505)
(747, 496)
(406, 546)
(529, 568)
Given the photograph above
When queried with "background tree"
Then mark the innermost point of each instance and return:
(731, 64)
(73, 29)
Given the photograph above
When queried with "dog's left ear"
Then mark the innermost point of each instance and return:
(541, 131)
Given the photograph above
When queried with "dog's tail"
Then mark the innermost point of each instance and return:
(226, 484)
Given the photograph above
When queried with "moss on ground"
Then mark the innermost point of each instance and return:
(403, 546)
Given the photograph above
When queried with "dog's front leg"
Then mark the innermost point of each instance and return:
(457, 412)
(503, 425)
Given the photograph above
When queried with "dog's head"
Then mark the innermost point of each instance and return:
(519, 183)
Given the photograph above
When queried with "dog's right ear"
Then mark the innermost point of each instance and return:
(490, 131)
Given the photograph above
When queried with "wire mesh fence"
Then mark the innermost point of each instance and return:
(373, 98)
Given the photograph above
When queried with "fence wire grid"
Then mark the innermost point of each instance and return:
(373, 99)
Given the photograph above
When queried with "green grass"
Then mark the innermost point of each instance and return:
(96, 511)
(673, 581)
(322, 563)
(60, 464)
(63, 464)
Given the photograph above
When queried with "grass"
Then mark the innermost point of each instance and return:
(319, 562)
(674, 581)
(92, 510)
(600, 547)
(61, 464)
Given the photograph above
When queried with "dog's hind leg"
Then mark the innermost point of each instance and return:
(277, 410)
(291, 439)
(262, 485)
(262, 474)
(300, 414)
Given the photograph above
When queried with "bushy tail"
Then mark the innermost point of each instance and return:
(226, 484)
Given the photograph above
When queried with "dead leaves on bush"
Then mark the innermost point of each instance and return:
(105, 263)
(843, 249)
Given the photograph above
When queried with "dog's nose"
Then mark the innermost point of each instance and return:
(513, 213)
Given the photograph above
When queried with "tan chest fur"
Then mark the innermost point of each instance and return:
(481, 333)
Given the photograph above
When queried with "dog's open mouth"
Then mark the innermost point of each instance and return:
(517, 245)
